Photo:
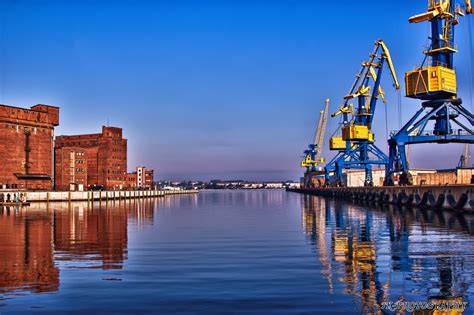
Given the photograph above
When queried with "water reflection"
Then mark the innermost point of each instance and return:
(26, 252)
(231, 252)
(239, 198)
(36, 239)
(391, 254)
(92, 236)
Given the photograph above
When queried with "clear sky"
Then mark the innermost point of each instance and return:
(211, 89)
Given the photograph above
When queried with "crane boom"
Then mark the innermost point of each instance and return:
(318, 128)
(464, 157)
(322, 130)
(381, 92)
(386, 52)
(469, 8)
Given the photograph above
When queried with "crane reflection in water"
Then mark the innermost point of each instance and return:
(391, 254)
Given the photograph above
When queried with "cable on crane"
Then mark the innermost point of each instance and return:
(399, 96)
(386, 123)
(469, 35)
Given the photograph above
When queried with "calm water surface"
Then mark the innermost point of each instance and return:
(231, 252)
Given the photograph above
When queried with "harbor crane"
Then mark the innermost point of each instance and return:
(312, 155)
(356, 148)
(435, 84)
(464, 159)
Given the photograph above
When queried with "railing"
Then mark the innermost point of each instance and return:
(91, 196)
(454, 132)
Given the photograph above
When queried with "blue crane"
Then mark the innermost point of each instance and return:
(356, 148)
(434, 83)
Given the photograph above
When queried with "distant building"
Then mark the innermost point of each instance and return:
(26, 146)
(275, 185)
(292, 185)
(105, 156)
(141, 178)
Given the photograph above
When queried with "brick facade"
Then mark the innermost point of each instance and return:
(70, 168)
(26, 146)
(105, 156)
(141, 178)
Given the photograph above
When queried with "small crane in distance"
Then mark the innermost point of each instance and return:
(312, 155)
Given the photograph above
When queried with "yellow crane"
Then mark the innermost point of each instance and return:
(312, 155)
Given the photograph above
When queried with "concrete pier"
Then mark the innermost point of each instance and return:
(91, 196)
(452, 197)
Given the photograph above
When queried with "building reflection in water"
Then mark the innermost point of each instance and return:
(26, 252)
(390, 254)
(36, 240)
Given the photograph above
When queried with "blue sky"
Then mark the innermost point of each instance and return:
(211, 89)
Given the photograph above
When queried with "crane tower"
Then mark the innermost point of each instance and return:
(435, 84)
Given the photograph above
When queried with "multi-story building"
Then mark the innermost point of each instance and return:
(105, 156)
(26, 146)
(141, 178)
(71, 168)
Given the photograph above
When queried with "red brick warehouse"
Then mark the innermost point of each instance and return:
(26, 146)
(105, 156)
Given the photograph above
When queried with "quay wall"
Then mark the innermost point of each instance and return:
(451, 197)
(53, 196)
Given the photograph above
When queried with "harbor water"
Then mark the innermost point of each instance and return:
(231, 252)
